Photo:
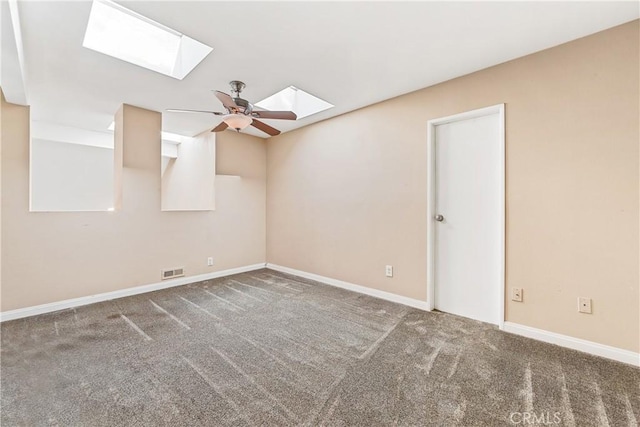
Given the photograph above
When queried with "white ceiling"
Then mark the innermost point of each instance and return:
(351, 54)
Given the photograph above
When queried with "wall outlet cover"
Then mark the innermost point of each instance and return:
(388, 271)
(584, 305)
(516, 294)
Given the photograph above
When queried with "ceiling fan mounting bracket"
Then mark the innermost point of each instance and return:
(236, 87)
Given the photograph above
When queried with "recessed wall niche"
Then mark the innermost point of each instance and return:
(188, 172)
(71, 169)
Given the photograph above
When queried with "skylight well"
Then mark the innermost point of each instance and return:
(166, 136)
(123, 34)
(293, 99)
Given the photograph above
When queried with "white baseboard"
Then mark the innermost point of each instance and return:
(613, 353)
(77, 302)
(422, 305)
(609, 352)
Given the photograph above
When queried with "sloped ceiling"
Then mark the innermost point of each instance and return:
(351, 54)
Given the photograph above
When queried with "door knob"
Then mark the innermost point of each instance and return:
(439, 218)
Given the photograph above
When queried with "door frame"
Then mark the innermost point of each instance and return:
(431, 198)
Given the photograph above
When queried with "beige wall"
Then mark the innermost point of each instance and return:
(348, 195)
(55, 168)
(2, 101)
(188, 181)
(48, 257)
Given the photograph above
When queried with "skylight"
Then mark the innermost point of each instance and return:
(123, 34)
(293, 99)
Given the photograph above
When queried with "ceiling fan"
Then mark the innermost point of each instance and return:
(240, 112)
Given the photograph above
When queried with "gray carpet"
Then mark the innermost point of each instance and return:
(264, 348)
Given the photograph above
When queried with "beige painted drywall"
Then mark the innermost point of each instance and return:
(347, 196)
(48, 257)
(188, 181)
(55, 168)
(2, 101)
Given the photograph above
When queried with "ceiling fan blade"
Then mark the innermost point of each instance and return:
(226, 100)
(222, 126)
(176, 110)
(281, 115)
(265, 127)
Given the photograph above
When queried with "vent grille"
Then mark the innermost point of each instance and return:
(174, 272)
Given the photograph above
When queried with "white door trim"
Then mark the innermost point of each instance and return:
(431, 197)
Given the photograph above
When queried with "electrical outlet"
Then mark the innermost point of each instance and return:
(584, 305)
(388, 270)
(516, 294)
(210, 261)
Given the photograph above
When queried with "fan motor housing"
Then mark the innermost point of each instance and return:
(244, 105)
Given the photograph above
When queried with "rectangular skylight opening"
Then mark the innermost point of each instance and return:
(293, 99)
(126, 35)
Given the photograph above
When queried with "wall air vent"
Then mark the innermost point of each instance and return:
(172, 273)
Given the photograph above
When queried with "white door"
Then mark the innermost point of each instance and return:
(468, 214)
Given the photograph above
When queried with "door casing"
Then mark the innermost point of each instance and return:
(431, 199)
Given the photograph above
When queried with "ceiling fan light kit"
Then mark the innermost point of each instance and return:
(237, 121)
(240, 112)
